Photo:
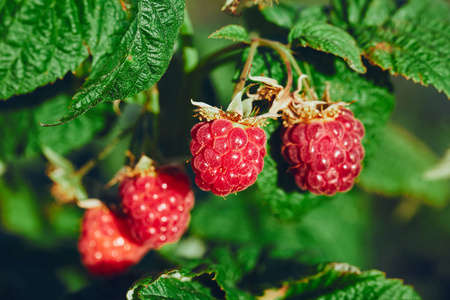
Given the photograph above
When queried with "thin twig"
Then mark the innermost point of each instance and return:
(246, 69)
(102, 154)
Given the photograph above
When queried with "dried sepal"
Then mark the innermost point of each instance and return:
(144, 167)
(235, 113)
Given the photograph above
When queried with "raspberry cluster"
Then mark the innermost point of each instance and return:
(227, 156)
(157, 208)
(325, 154)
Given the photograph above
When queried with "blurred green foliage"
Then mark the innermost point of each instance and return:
(272, 233)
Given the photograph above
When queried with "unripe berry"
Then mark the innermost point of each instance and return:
(226, 156)
(325, 154)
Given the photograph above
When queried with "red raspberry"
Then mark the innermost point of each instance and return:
(227, 156)
(157, 205)
(105, 245)
(325, 155)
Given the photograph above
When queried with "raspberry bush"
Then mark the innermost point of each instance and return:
(239, 150)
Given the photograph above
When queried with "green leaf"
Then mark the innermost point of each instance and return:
(328, 38)
(397, 169)
(357, 13)
(231, 32)
(175, 284)
(140, 57)
(41, 41)
(27, 137)
(413, 41)
(344, 281)
(283, 14)
(19, 211)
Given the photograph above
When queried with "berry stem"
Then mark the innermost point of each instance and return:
(280, 49)
(286, 55)
(246, 69)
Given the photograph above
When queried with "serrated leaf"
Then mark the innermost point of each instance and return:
(175, 284)
(231, 32)
(413, 41)
(32, 52)
(140, 57)
(182, 284)
(397, 169)
(344, 281)
(328, 38)
(43, 40)
(27, 137)
(423, 57)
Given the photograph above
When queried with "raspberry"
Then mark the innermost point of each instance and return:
(105, 245)
(324, 154)
(157, 205)
(227, 156)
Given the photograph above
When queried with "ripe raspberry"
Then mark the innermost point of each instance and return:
(157, 205)
(105, 246)
(227, 156)
(325, 154)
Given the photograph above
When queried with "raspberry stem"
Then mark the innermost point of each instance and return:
(246, 69)
(289, 60)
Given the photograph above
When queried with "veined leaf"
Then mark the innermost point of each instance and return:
(231, 32)
(413, 41)
(344, 281)
(182, 284)
(328, 38)
(175, 284)
(42, 40)
(140, 57)
(27, 137)
(397, 170)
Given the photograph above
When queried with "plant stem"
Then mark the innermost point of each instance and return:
(102, 154)
(280, 49)
(312, 95)
(246, 69)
